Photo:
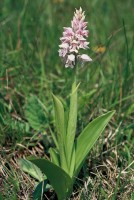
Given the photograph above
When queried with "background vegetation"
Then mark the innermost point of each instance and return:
(30, 69)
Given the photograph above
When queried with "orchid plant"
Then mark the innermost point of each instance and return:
(70, 152)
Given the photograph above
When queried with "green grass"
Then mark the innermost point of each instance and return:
(30, 65)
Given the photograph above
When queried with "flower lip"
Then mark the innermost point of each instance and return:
(71, 57)
(64, 45)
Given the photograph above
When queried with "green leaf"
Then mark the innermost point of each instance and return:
(54, 156)
(61, 133)
(1, 197)
(88, 137)
(40, 189)
(59, 117)
(59, 179)
(129, 110)
(72, 164)
(31, 169)
(72, 122)
(35, 113)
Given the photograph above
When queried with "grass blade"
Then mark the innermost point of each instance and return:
(40, 189)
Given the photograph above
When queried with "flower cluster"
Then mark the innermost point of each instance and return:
(74, 39)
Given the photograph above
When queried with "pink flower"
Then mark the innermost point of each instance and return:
(74, 39)
(84, 58)
(70, 62)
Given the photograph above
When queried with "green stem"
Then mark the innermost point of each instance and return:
(75, 72)
(71, 125)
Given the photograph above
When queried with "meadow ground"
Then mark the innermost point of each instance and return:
(30, 69)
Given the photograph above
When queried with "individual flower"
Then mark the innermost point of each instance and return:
(70, 60)
(74, 39)
(84, 58)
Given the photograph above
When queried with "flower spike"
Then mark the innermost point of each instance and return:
(74, 39)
